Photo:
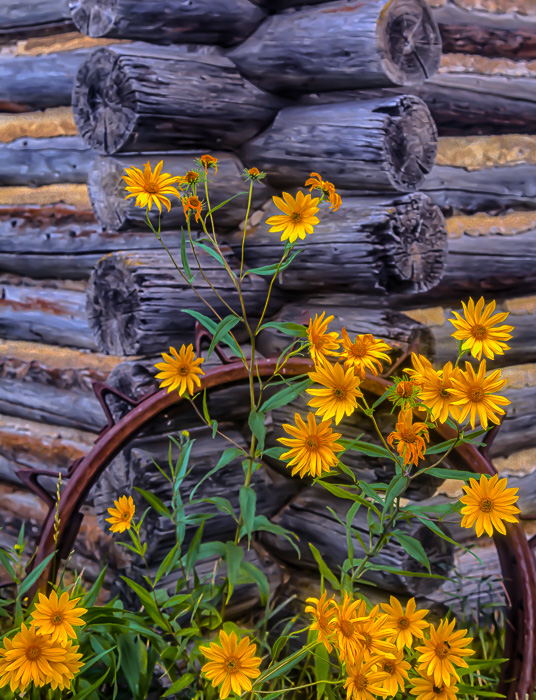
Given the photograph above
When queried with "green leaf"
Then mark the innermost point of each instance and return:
(345, 493)
(396, 487)
(293, 329)
(275, 452)
(170, 560)
(233, 557)
(451, 474)
(258, 577)
(222, 204)
(477, 691)
(262, 523)
(222, 504)
(322, 669)
(83, 694)
(155, 502)
(210, 251)
(5, 560)
(184, 681)
(413, 547)
(285, 396)
(33, 576)
(371, 450)
(325, 571)
(256, 424)
(193, 549)
(184, 258)
(248, 501)
(222, 332)
(211, 326)
(129, 661)
(371, 493)
(92, 594)
(283, 667)
(273, 268)
(146, 600)
(227, 456)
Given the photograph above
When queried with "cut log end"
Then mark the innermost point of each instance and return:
(409, 39)
(102, 105)
(112, 322)
(94, 18)
(106, 189)
(411, 142)
(418, 261)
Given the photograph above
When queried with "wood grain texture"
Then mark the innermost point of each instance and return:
(33, 18)
(371, 246)
(106, 189)
(383, 145)
(140, 98)
(372, 44)
(173, 22)
(74, 195)
(55, 121)
(134, 300)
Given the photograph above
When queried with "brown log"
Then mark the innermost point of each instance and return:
(522, 316)
(371, 44)
(72, 195)
(106, 189)
(501, 32)
(42, 313)
(369, 245)
(25, 443)
(55, 121)
(487, 254)
(34, 18)
(51, 384)
(36, 162)
(484, 173)
(308, 517)
(29, 83)
(202, 21)
(385, 145)
(134, 300)
(172, 113)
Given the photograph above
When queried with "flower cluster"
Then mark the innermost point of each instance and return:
(43, 652)
(378, 652)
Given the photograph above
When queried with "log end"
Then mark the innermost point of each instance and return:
(103, 107)
(410, 141)
(111, 303)
(409, 40)
(416, 262)
(106, 189)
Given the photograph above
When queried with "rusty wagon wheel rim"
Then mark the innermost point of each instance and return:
(518, 565)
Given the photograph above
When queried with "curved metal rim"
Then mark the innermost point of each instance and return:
(518, 565)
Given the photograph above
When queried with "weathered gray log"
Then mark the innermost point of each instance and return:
(44, 314)
(369, 245)
(170, 22)
(34, 18)
(396, 329)
(25, 443)
(52, 385)
(308, 517)
(522, 316)
(106, 189)
(385, 145)
(135, 300)
(142, 98)
(486, 255)
(29, 83)
(500, 32)
(36, 162)
(371, 44)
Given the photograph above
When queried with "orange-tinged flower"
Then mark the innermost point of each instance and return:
(313, 446)
(474, 395)
(72, 665)
(436, 392)
(397, 673)
(58, 616)
(445, 650)
(322, 343)
(209, 162)
(487, 504)
(30, 657)
(425, 688)
(327, 189)
(323, 611)
(478, 332)
(364, 681)
(231, 665)
(192, 204)
(411, 444)
(298, 218)
(340, 390)
(376, 633)
(406, 389)
(346, 622)
(407, 623)
(122, 514)
(364, 353)
(180, 371)
(150, 187)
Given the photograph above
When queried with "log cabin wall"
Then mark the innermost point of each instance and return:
(407, 134)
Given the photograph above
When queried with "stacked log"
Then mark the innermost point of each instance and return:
(34, 18)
